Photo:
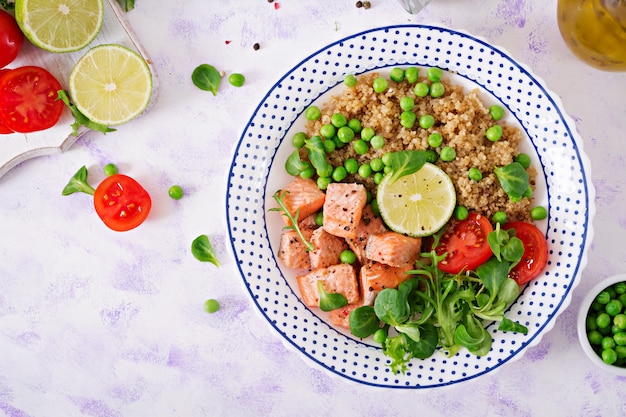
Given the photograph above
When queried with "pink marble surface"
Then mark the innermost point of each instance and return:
(102, 324)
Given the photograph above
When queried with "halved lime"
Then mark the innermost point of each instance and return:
(60, 25)
(111, 84)
(417, 204)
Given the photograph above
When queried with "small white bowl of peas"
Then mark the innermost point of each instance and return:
(602, 324)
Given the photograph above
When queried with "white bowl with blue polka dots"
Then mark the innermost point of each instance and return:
(257, 171)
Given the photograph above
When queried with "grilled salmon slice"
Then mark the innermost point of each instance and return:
(370, 224)
(328, 249)
(343, 208)
(339, 278)
(340, 317)
(304, 195)
(375, 277)
(292, 251)
(393, 248)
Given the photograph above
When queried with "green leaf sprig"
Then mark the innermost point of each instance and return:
(206, 77)
(203, 251)
(330, 301)
(79, 118)
(404, 163)
(293, 219)
(513, 179)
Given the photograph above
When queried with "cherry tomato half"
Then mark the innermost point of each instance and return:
(466, 244)
(11, 39)
(3, 129)
(28, 99)
(121, 202)
(535, 255)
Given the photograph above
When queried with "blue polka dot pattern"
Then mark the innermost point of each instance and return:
(257, 171)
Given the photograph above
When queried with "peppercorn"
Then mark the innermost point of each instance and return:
(366, 4)
(256, 46)
(359, 4)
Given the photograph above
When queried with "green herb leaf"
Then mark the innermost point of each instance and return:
(206, 78)
(363, 321)
(404, 163)
(203, 251)
(317, 156)
(330, 301)
(79, 118)
(391, 307)
(294, 165)
(78, 183)
(279, 198)
(429, 338)
(513, 179)
(128, 4)
(508, 325)
(7, 5)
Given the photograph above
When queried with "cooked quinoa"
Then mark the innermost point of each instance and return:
(460, 117)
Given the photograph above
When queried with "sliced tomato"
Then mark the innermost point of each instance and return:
(121, 202)
(28, 99)
(3, 129)
(465, 244)
(535, 255)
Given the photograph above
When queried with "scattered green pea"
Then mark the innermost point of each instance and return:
(367, 133)
(397, 75)
(345, 134)
(298, 139)
(496, 112)
(431, 156)
(434, 74)
(236, 79)
(421, 89)
(338, 120)
(176, 192)
(461, 212)
(339, 173)
(211, 306)
(407, 103)
(407, 119)
(110, 169)
(380, 336)
(499, 217)
(437, 89)
(347, 257)
(411, 74)
(378, 177)
(351, 165)
(377, 164)
(435, 140)
(355, 125)
(426, 121)
(374, 206)
(380, 84)
(323, 182)
(329, 146)
(523, 159)
(377, 142)
(313, 113)
(349, 80)
(360, 146)
(494, 133)
(474, 174)
(328, 131)
(307, 172)
(538, 213)
(319, 218)
(365, 170)
(447, 154)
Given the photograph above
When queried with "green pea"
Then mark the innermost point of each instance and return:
(110, 169)
(211, 306)
(620, 338)
(461, 212)
(307, 172)
(351, 165)
(347, 257)
(411, 74)
(620, 351)
(590, 322)
(499, 217)
(345, 134)
(236, 80)
(607, 343)
(396, 74)
(622, 298)
(380, 336)
(374, 206)
(377, 142)
(367, 133)
(437, 90)
(434, 74)
(329, 146)
(355, 125)
(613, 307)
(323, 182)
(595, 337)
(603, 320)
(435, 140)
(431, 156)
(377, 164)
(313, 113)
(339, 173)
(494, 133)
(447, 154)
(338, 120)
(596, 306)
(426, 121)
(407, 119)
(378, 177)
(538, 213)
(609, 356)
(319, 218)
(298, 139)
(474, 174)
(327, 131)
(523, 159)
(176, 192)
(360, 146)
(407, 103)
(620, 321)
(496, 112)
(349, 80)
(528, 193)
(380, 84)
(365, 170)
(421, 89)
(620, 287)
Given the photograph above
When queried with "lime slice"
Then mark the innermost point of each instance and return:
(111, 84)
(60, 25)
(417, 204)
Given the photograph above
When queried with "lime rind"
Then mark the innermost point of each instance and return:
(418, 204)
(60, 26)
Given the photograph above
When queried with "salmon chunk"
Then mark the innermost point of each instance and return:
(292, 251)
(375, 277)
(343, 208)
(393, 248)
(339, 278)
(304, 195)
(340, 317)
(370, 224)
(328, 249)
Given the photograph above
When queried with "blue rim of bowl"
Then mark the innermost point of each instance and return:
(576, 142)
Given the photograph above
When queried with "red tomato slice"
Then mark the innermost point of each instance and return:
(466, 245)
(121, 202)
(535, 255)
(3, 129)
(11, 39)
(28, 99)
